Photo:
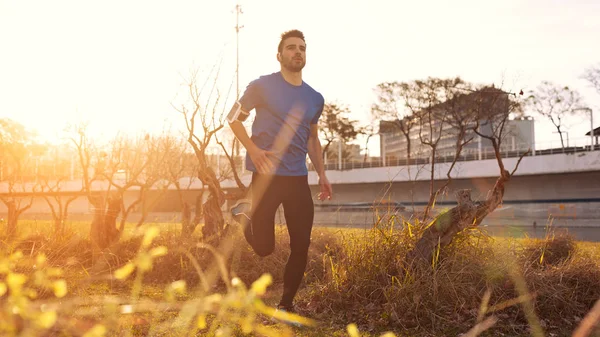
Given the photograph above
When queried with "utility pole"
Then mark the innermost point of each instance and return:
(238, 11)
(591, 125)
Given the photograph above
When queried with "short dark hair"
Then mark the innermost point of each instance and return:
(288, 34)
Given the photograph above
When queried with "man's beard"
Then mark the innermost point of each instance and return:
(293, 67)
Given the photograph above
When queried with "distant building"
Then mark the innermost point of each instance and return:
(519, 134)
(350, 152)
(596, 134)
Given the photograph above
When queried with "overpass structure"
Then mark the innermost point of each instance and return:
(563, 185)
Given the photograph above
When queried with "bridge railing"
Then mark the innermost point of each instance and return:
(471, 154)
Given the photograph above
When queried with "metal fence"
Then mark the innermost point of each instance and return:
(465, 155)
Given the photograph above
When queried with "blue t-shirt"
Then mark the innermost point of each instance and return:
(284, 114)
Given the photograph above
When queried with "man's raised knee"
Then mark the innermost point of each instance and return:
(264, 250)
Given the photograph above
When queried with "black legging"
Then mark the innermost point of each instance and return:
(268, 192)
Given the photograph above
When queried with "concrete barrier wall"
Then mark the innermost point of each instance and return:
(531, 165)
(542, 182)
(537, 195)
(548, 188)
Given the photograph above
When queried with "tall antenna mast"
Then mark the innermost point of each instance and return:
(238, 11)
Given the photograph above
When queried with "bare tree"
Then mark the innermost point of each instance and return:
(430, 104)
(59, 204)
(592, 75)
(493, 107)
(432, 120)
(154, 176)
(18, 151)
(18, 200)
(54, 173)
(398, 107)
(230, 171)
(369, 131)
(126, 164)
(103, 227)
(347, 152)
(334, 125)
(454, 116)
(394, 102)
(203, 119)
(135, 164)
(555, 103)
(181, 167)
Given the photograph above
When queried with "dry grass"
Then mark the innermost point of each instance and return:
(365, 283)
(506, 287)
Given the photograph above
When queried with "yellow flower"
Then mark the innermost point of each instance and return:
(150, 234)
(158, 251)
(352, 330)
(46, 319)
(60, 288)
(15, 281)
(177, 287)
(144, 262)
(201, 323)
(40, 260)
(16, 256)
(123, 272)
(259, 286)
(97, 330)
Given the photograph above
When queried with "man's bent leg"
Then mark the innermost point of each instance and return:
(299, 214)
(266, 198)
(240, 212)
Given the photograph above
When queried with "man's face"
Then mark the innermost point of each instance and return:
(293, 55)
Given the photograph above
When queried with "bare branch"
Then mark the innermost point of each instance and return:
(231, 161)
(519, 162)
(592, 75)
(555, 103)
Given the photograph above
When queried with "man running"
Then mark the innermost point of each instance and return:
(284, 131)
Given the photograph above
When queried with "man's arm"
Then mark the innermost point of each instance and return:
(315, 153)
(240, 133)
(258, 155)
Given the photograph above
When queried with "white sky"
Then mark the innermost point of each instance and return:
(124, 62)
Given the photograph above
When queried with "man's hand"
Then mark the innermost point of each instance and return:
(261, 160)
(326, 190)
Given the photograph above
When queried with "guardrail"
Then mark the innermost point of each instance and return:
(448, 157)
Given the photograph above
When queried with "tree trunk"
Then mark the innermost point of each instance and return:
(562, 141)
(59, 220)
(103, 230)
(198, 213)
(96, 231)
(13, 218)
(59, 226)
(186, 221)
(432, 195)
(59, 213)
(213, 217)
(408, 148)
(446, 225)
(14, 212)
(325, 149)
(110, 220)
(366, 149)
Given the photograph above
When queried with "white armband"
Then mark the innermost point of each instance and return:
(236, 113)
